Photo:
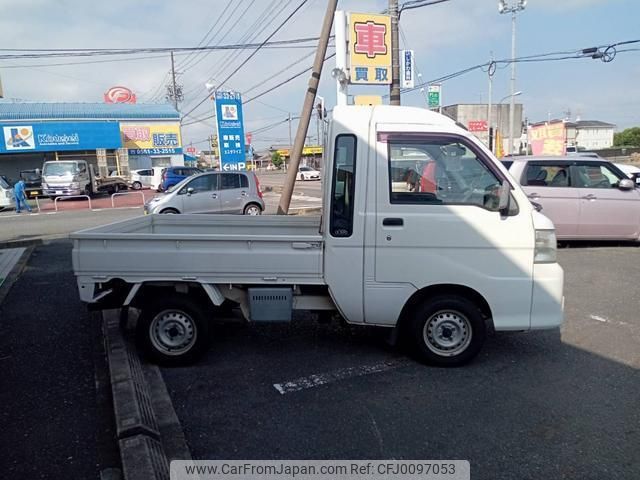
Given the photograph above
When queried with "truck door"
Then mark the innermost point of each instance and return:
(344, 229)
(444, 229)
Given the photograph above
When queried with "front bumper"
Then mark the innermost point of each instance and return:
(62, 192)
(547, 303)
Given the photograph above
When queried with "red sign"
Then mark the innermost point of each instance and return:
(191, 150)
(478, 126)
(370, 39)
(119, 95)
(548, 139)
(248, 137)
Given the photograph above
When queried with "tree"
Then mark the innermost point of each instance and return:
(277, 159)
(627, 138)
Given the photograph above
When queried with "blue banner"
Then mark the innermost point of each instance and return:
(230, 131)
(59, 136)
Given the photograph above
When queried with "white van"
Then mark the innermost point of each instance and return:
(156, 178)
(7, 198)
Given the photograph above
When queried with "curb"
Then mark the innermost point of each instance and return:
(147, 429)
(15, 273)
(32, 242)
(306, 211)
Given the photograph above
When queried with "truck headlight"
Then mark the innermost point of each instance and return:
(546, 247)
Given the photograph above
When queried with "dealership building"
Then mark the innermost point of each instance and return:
(116, 137)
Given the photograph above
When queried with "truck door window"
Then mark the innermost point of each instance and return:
(440, 171)
(343, 186)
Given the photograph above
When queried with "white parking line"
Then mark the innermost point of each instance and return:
(320, 379)
(606, 320)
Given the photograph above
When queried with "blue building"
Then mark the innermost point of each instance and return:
(116, 137)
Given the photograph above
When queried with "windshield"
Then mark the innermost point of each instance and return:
(30, 175)
(4, 184)
(60, 168)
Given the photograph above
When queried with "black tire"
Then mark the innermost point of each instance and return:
(136, 186)
(172, 211)
(447, 331)
(172, 330)
(115, 189)
(250, 207)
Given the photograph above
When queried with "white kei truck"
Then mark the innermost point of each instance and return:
(423, 232)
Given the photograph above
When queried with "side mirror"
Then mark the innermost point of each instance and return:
(190, 190)
(626, 184)
(504, 196)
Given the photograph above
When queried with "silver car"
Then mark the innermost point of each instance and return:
(218, 192)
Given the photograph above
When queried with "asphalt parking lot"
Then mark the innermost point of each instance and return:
(536, 405)
(532, 406)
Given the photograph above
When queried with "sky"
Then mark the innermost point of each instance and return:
(446, 38)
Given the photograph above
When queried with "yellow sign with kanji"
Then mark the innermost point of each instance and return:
(369, 49)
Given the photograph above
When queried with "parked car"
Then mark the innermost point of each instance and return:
(140, 179)
(308, 173)
(32, 182)
(7, 198)
(173, 175)
(630, 171)
(219, 192)
(586, 198)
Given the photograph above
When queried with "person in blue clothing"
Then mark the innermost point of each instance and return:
(21, 197)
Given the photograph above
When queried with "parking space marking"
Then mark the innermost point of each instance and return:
(317, 380)
(606, 320)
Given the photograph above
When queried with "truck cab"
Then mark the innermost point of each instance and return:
(423, 232)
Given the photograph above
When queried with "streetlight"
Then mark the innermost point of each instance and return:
(505, 8)
(510, 96)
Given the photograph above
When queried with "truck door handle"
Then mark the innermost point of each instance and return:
(243, 193)
(393, 222)
(591, 196)
(533, 196)
(214, 195)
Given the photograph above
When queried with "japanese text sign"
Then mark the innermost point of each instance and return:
(369, 48)
(230, 131)
(548, 139)
(151, 138)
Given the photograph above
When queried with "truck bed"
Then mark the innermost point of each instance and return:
(221, 249)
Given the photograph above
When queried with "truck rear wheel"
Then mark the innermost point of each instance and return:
(447, 331)
(172, 330)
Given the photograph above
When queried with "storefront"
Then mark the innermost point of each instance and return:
(115, 137)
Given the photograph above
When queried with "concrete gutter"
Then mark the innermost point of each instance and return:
(10, 274)
(147, 428)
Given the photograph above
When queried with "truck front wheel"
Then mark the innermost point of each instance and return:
(447, 331)
(172, 331)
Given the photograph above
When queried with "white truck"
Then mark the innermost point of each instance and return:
(423, 232)
(67, 178)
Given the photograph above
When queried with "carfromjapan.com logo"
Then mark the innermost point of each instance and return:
(19, 137)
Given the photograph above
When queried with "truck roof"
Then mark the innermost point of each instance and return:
(346, 114)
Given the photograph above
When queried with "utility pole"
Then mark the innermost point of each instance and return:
(512, 112)
(305, 117)
(491, 70)
(394, 91)
(173, 79)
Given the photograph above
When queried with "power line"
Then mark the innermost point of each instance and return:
(255, 51)
(254, 98)
(55, 53)
(206, 35)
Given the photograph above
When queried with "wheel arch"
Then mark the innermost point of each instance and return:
(444, 289)
(205, 294)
